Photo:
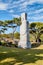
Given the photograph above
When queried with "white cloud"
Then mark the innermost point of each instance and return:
(23, 6)
(16, 16)
(40, 1)
(11, 11)
(20, 3)
(3, 6)
(35, 18)
(38, 11)
(39, 17)
(16, 3)
(9, 1)
(30, 2)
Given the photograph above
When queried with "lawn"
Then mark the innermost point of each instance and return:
(16, 56)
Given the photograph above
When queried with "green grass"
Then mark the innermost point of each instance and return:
(16, 56)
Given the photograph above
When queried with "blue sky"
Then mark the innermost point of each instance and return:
(13, 8)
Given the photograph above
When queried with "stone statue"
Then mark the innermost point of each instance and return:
(24, 32)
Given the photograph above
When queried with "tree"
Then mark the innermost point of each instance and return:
(17, 21)
(1, 23)
(36, 29)
(13, 24)
(17, 35)
(2, 27)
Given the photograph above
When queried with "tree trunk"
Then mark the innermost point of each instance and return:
(38, 40)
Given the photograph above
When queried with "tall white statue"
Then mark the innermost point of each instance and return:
(24, 32)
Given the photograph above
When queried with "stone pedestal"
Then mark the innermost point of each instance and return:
(24, 33)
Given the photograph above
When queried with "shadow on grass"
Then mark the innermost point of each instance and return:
(34, 45)
(22, 56)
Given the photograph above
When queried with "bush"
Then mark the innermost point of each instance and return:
(33, 45)
(15, 45)
(3, 44)
(9, 44)
(0, 43)
(17, 35)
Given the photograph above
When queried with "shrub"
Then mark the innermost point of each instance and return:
(33, 45)
(0, 43)
(3, 44)
(15, 45)
(17, 35)
(9, 44)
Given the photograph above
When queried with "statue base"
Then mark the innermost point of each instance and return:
(24, 45)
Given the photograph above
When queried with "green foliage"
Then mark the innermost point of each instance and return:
(32, 39)
(8, 44)
(1, 23)
(32, 25)
(41, 37)
(3, 43)
(0, 43)
(17, 21)
(39, 24)
(36, 25)
(36, 29)
(14, 45)
(17, 35)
